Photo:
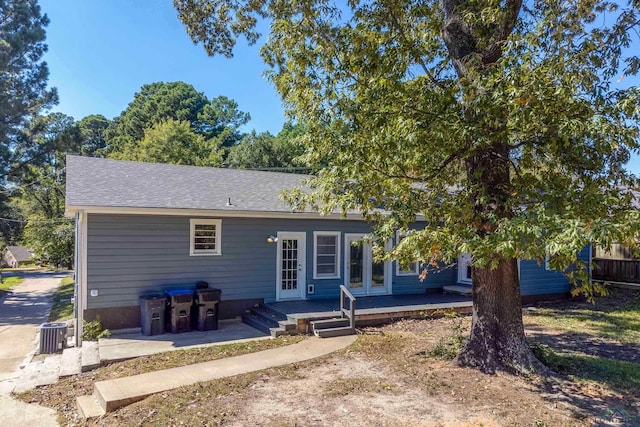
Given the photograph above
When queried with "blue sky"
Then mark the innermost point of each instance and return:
(102, 51)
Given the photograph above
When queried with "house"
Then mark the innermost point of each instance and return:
(144, 227)
(14, 255)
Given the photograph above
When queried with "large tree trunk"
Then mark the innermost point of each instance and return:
(497, 340)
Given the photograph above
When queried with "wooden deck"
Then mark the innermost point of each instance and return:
(371, 309)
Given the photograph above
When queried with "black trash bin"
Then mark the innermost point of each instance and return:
(152, 314)
(179, 303)
(206, 301)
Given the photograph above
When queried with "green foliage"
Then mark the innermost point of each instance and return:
(62, 308)
(10, 282)
(265, 151)
(93, 330)
(41, 185)
(500, 124)
(23, 85)
(448, 348)
(173, 141)
(92, 129)
(51, 240)
(161, 102)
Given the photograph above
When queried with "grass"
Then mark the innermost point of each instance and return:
(616, 375)
(10, 282)
(62, 301)
(616, 317)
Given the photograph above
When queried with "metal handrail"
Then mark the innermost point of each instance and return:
(351, 313)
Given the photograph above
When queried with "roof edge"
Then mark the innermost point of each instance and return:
(71, 210)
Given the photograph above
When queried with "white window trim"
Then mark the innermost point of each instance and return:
(547, 265)
(337, 235)
(399, 272)
(462, 272)
(192, 228)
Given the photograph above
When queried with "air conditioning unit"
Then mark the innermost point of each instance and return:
(52, 337)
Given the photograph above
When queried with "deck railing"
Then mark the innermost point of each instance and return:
(350, 312)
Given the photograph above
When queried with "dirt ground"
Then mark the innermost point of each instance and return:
(389, 377)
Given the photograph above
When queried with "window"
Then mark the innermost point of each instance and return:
(326, 258)
(405, 270)
(205, 237)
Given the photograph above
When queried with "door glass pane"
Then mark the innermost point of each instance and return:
(377, 274)
(289, 280)
(356, 265)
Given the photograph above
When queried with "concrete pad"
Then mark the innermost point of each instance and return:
(127, 346)
(42, 372)
(90, 356)
(88, 407)
(113, 394)
(70, 362)
(19, 414)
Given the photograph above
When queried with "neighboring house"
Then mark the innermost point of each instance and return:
(14, 255)
(144, 227)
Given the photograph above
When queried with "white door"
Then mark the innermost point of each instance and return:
(364, 276)
(291, 267)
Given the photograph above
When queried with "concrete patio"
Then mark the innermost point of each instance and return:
(130, 345)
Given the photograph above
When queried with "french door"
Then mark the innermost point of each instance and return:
(363, 275)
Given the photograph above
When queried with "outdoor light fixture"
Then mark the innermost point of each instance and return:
(272, 239)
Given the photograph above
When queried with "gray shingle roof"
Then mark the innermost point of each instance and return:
(20, 253)
(93, 182)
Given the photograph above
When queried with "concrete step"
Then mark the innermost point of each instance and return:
(330, 323)
(268, 314)
(278, 332)
(90, 358)
(71, 362)
(112, 394)
(288, 325)
(458, 289)
(88, 407)
(334, 332)
(258, 323)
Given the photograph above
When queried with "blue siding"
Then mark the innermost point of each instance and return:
(536, 280)
(129, 255)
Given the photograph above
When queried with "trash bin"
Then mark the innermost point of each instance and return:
(152, 317)
(206, 302)
(179, 303)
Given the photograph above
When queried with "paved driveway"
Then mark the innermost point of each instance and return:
(21, 312)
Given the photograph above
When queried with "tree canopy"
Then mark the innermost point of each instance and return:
(23, 74)
(500, 123)
(40, 188)
(265, 151)
(174, 141)
(158, 102)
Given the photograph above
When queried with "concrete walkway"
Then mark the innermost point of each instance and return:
(112, 394)
(21, 313)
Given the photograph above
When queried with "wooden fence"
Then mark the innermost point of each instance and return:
(617, 270)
